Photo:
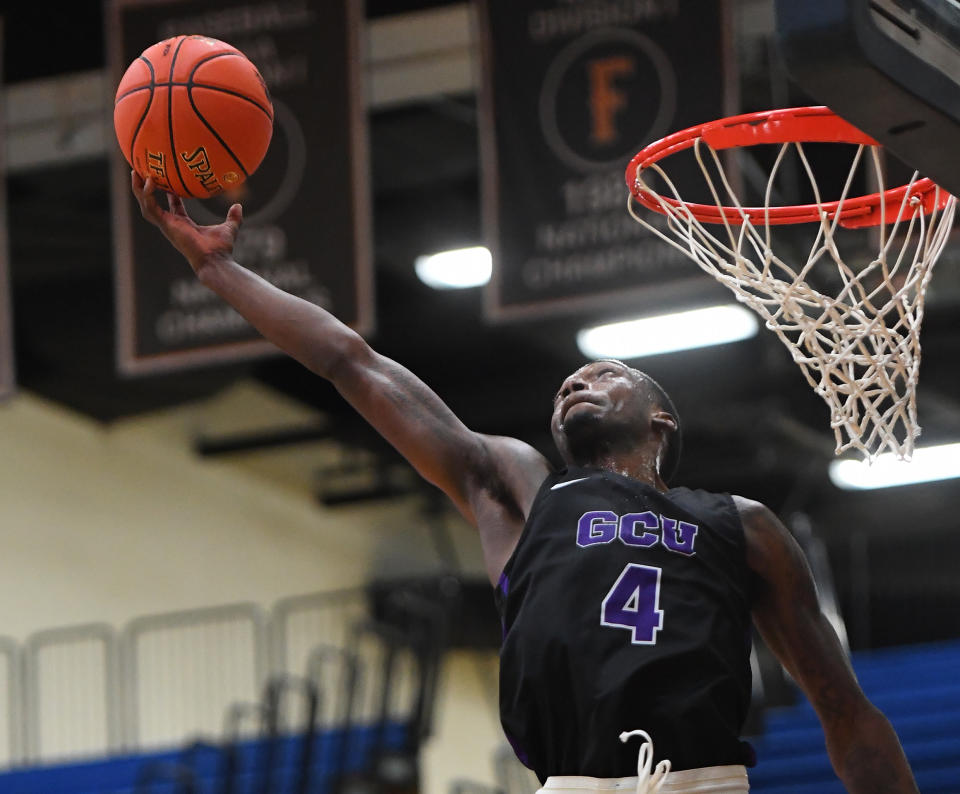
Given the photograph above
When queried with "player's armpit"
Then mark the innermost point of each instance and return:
(863, 748)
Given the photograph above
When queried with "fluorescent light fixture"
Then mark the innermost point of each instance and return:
(456, 269)
(667, 333)
(929, 464)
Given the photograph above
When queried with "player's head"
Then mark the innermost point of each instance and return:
(606, 406)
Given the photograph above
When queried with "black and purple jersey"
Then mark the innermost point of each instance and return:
(625, 608)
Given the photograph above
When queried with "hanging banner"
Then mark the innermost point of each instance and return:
(7, 383)
(572, 89)
(306, 209)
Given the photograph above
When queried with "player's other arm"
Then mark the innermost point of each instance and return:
(492, 480)
(863, 748)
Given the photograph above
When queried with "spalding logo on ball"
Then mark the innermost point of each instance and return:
(193, 113)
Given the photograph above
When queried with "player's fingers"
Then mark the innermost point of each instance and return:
(234, 217)
(143, 192)
(136, 185)
(175, 203)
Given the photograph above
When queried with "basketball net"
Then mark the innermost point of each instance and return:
(857, 345)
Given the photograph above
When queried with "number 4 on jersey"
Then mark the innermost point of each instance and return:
(633, 602)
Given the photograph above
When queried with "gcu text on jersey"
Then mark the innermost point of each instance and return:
(636, 529)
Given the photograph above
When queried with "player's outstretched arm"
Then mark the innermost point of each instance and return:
(492, 480)
(863, 748)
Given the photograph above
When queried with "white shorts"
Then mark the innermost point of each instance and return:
(707, 780)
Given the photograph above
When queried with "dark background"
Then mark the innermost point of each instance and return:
(753, 426)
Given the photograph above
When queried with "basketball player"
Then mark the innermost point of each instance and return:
(625, 603)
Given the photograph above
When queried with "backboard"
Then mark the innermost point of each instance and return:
(890, 67)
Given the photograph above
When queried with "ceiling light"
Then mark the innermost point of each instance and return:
(456, 269)
(666, 333)
(928, 464)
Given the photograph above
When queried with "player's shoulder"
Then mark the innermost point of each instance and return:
(761, 526)
(770, 545)
(711, 508)
(751, 510)
(720, 499)
(756, 513)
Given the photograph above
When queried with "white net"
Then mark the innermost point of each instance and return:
(853, 327)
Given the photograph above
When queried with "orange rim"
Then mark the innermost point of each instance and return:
(791, 125)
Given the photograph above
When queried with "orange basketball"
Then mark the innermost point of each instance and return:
(194, 114)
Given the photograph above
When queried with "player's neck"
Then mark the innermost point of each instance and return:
(640, 465)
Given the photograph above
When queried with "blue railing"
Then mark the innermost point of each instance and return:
(918, 690)
(201, 769)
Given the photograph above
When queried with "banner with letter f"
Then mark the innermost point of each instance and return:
(572, 89)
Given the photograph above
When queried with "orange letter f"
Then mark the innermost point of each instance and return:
(605, 99)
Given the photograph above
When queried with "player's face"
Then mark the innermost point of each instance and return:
(599, 397)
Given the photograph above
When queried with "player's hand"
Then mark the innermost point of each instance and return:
(201, 245)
